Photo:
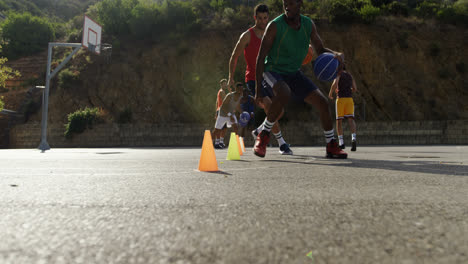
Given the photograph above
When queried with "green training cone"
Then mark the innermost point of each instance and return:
(233, 151)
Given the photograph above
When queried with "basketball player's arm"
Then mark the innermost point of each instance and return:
(354, 88)
(224, 105)
(333, 87)
(222, 94)
(318, 45)
(239, 108)
(240, 46)
(267, 42)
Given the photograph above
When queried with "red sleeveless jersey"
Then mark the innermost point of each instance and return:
(250, 55)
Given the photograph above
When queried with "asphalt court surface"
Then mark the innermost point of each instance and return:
(384, 204)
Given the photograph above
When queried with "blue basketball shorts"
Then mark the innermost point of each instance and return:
(251, 86)
(298, 83)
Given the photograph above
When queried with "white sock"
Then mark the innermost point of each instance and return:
(221, 140)
(353, 136)
(280, 138)
(259, 129)
(329, 135)
(340, 138)
(267, 125)
(217, 141)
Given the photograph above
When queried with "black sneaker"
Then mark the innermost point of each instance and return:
(342, 146)
(217, 146)
(353, 148)
(222, 146)
(285, 150)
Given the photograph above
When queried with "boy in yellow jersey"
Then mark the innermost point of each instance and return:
(344, 86)
(284, 46)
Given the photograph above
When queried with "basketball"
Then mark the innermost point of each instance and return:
(244, 119)
(308, 57)
(326, 66)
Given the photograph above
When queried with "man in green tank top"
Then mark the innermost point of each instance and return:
(284, 47)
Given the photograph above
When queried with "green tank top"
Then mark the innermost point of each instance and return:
(290, 46)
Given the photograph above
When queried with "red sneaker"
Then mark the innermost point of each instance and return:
(334, 151)
(260, 143)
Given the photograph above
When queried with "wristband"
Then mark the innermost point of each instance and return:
(229, 114)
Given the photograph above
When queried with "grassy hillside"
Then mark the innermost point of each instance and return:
(61, 9)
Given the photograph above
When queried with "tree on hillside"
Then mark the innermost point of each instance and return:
(5, 74)
(25, 34)
(62, 9)
(20, 6)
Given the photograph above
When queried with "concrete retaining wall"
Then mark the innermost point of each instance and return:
(308, 134)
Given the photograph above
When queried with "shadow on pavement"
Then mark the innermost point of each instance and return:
(433, 167)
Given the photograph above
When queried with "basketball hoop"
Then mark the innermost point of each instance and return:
(91, 47)
(91, 35)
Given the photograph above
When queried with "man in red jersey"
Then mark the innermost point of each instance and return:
(249, 43)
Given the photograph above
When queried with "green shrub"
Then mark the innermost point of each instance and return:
(380, 3)
(3, 5)
(67, 78)
(427, 9)
(24, 34)
(126, 116)
(75, 36)
(342, 11)
(80, 120)
(2, 104)
(21, 6)
(412, 4)
(202, 8)
(397, 9)
(114, 15)
(220, 5)
(275, 6)
(147, 19)
(61, 30)
(177, 18)
(144, 20)
(461, 7)
(456, 14)
(369, 13)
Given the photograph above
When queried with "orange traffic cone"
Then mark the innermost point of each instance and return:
(239, 145)
(242, 144)
(208, 158)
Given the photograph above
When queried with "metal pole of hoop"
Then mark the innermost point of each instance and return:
(92, 40)
(44, 145)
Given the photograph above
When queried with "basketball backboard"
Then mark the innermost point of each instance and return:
(91, 35)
